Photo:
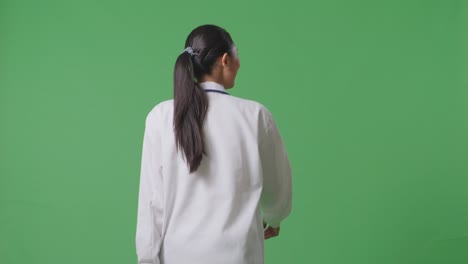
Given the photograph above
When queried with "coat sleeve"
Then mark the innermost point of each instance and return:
(276, 198)
(150, 210)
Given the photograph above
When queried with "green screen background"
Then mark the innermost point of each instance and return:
(371, 98)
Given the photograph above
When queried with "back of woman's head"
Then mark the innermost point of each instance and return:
(203, 46)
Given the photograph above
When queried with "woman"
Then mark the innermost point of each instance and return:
(215, 176)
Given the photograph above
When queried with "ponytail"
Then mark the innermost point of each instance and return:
(190, 100)
(190, 108)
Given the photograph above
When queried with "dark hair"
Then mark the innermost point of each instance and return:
(208, 42)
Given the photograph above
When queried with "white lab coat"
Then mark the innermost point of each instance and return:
(213, 216)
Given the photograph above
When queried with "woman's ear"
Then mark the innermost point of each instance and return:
(225, 60)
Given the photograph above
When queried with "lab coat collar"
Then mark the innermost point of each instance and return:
(213, 86)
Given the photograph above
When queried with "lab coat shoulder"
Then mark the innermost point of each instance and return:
(255, 108)
(159, 111)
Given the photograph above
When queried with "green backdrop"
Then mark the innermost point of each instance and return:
(371, 98)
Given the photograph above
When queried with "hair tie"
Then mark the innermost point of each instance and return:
(189, 50)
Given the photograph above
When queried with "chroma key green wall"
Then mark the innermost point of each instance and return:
(371, 98)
